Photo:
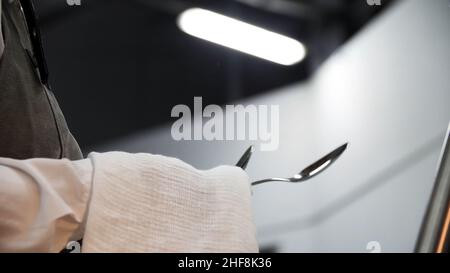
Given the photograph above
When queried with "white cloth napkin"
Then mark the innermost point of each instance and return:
(152, 203)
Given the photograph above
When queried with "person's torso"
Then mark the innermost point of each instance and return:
(31, 122)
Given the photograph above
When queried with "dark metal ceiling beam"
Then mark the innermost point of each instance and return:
(55, 10)
(294, 9)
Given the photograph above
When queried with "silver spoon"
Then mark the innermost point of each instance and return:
(310, 171)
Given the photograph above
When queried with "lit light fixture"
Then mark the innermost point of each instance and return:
(241, 36)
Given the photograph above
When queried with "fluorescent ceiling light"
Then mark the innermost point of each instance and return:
(241, 36)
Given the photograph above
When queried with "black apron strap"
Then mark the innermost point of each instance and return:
(36, 40)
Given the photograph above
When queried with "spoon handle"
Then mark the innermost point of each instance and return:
(269, 180)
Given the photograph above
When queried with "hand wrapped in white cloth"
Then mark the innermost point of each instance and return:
(129, 203)
(145, 202)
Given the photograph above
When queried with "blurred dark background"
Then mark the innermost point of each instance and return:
(118, 67)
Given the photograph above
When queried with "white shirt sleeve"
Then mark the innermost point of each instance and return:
(43, 203)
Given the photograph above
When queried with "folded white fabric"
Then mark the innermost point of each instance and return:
(151, 203)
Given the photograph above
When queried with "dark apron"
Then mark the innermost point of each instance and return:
(31, 122)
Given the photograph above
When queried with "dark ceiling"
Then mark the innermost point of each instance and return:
(118, 66)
